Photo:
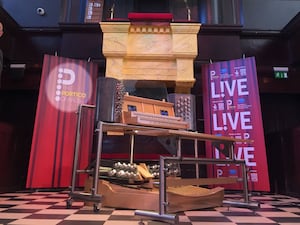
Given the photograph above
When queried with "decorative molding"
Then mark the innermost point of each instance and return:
(151, 51)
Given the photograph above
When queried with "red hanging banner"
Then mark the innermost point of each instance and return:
(65, 84)
(232, 108)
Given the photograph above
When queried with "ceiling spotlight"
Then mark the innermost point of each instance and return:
(40, 11)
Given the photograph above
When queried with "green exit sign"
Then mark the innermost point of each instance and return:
(281, 72)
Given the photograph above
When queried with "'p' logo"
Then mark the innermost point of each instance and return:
(65, 76)
(68, 85)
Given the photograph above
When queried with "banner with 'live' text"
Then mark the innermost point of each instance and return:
(232, 108)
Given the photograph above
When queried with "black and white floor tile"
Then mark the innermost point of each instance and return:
(49, 208)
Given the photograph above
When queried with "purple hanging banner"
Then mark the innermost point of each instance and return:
(232, 108)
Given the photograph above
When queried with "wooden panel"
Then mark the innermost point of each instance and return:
(147, 105)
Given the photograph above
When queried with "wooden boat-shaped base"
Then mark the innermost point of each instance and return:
(182, 198)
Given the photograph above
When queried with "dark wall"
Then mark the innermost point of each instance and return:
(282, 134)
(218, 43)
(268, 14)
(151, 6)
(17, 114)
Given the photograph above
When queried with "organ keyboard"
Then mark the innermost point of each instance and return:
(150, 112)
(154, 120)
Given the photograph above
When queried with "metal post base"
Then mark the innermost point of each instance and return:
(156, 215)
(250, 205)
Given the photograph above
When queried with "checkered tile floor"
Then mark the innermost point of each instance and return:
(48, 208)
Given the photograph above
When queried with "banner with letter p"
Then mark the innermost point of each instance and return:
(65, 84)
(232, 108)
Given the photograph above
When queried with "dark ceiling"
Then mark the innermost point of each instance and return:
(256, 14)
